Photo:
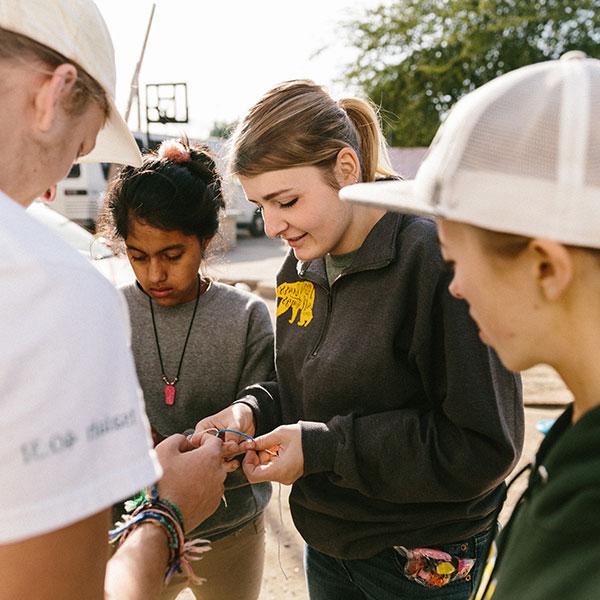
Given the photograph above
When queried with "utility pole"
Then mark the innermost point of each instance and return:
(134, 88)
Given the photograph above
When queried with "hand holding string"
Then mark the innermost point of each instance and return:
(193, 477)
(276, 456)
(236, 422)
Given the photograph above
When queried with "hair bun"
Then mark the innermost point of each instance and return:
(174, 151)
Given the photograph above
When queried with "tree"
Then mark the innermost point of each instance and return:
(223, 129)
(417, 57)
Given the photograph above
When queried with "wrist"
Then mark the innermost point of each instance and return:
(150, 509)
(247, 405)
(319, 447)
(152, 536)
(245, 402)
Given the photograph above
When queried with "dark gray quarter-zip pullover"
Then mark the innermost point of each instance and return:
(409, 422)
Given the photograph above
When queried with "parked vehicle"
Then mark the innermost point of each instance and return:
(79, 195)
(115, 268)
(248, 215)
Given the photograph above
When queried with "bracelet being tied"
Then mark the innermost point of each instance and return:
(273, 450)
(149, 508)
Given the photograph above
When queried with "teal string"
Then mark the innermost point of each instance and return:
(249, 437)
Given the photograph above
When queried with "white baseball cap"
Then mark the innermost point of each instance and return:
(521, 154)
(76, 30)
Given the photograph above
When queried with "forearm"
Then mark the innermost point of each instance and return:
(153, 539)
(137, 570)
(406, 456)
(67, 563)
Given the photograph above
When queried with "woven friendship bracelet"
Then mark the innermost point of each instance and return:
(175, 508)
(149, 508)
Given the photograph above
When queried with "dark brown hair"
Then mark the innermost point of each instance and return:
(174, 195)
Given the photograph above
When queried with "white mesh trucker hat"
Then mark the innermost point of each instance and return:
(521, 154)
(76, 29)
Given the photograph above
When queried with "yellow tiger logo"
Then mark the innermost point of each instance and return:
(299, 296)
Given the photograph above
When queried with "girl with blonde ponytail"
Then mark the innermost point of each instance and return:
(393, 422)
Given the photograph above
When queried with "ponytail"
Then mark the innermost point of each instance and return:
(299, 124)
(375, 162)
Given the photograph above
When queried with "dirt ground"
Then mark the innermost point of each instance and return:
(545, 397)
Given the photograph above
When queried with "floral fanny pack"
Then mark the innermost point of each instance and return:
(434, 568)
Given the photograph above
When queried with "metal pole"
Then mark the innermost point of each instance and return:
(134, 89)
(139, 109)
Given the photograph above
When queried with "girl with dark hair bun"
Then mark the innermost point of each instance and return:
(196, 342)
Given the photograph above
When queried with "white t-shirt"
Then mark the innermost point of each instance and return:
(74, 437)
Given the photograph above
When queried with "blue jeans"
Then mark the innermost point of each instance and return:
(382, 576)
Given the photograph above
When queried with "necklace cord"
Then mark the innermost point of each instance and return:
(187, 337)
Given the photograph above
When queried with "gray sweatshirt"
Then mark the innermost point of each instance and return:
(230, 346)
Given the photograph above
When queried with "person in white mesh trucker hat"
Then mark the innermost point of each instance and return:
(513, 178)
(74, 438)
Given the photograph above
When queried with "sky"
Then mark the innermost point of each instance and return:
(229, 51)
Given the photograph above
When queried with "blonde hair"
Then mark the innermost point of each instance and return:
(17, 47)
(508, 245)
(511, 245)
(298, 123)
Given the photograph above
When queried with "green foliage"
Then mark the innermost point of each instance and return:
(222, 129)
(417, 57)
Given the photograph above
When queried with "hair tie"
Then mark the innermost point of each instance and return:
(174, 151)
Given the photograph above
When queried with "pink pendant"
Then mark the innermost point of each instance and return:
(169, 394)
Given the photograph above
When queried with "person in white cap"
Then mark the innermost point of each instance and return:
(74, 437)
(513, 177)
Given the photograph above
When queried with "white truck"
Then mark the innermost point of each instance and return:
(80, 194)
(247, 214)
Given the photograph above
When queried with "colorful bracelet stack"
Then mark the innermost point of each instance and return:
(149, 508)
